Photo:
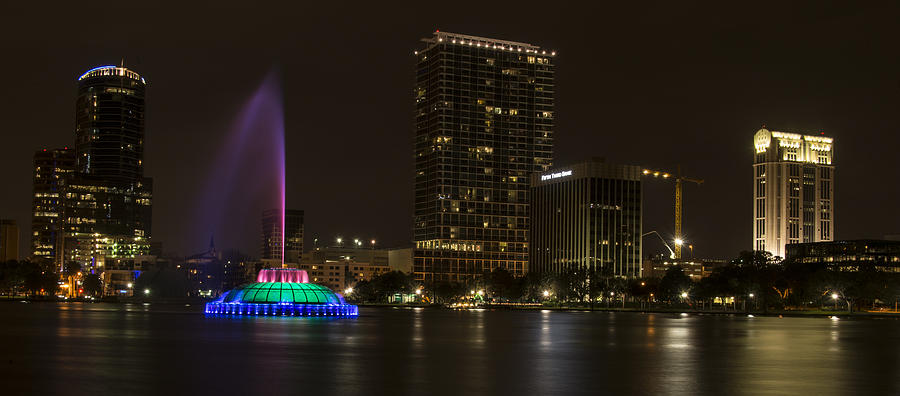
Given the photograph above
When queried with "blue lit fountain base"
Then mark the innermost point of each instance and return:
(282, 292)
(282, 309)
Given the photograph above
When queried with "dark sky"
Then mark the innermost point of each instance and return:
(660, 85)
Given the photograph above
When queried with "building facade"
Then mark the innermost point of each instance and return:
(882, 255)
(9, 240)
(793, 187)
(53, 169)
(587, 217)
(92, 205)
(272, 235)
(108, 201)
(483, 124)
(696, 269)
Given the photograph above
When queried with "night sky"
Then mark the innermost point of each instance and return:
(668, 84)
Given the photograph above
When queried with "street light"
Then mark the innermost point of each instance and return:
(481, 292)
(339, 240)
(146, 292)
(679, 241)
(418, 291)
(546, 293)
(348, 290)
(129, 285)
(684, 294)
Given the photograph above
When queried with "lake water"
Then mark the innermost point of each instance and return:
(75, 348)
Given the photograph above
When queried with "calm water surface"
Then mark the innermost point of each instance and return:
(74, 348)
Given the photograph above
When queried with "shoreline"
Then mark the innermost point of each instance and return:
(654, 310)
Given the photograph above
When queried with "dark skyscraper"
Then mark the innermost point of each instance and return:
(272, 237)
(109, 199)
(109, 124)
(484, 123)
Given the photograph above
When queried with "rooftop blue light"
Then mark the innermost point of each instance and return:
(118, 71)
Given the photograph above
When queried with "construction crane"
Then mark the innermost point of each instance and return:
(679, 179)
(672, 252)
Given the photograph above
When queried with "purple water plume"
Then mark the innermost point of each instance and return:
(249, 174)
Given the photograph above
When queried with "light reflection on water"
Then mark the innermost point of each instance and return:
(132, 349)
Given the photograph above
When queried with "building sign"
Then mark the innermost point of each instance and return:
(556, 175)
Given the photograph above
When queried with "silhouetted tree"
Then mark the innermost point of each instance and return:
(92, 285)
(673, 283)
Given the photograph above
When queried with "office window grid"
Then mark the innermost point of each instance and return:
(484, 123)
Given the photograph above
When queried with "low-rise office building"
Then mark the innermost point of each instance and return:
(850, 255)
(9, 240)
(696, 269)
(586, 216)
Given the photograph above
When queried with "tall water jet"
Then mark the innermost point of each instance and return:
(248, 176)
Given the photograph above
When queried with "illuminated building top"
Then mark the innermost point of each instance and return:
(784, 146)
(487, 43)
(595, 168)
(107, 71)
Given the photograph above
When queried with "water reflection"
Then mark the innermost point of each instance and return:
(98, 348)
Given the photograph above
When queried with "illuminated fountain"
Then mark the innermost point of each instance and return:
(250, 176)
(282, 292)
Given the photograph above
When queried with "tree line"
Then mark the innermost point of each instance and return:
(753, 280)
(41, 278)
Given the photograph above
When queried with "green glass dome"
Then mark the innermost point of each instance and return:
(281, 292)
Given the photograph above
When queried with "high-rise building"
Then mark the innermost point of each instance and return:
(109, 199)
(53, 169)
(109, 124)
(92, 205)
(793, 187)
(586, 217)
(272, 236)
(9, 240)
(484, 123)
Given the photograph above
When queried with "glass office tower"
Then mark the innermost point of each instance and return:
(484, 123)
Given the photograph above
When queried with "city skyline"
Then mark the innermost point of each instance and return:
(654, 120)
